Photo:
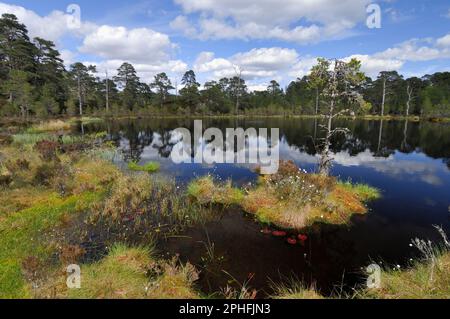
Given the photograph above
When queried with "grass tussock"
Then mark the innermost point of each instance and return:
(422, 281)
(294, 289)
(50, 126)
(205, 190)
(427, 278)
(149, 167)
(133, 273)
(291, 198)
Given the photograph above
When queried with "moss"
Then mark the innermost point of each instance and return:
(363, 191)
(149, 167)
(21, 234)
(421, 281)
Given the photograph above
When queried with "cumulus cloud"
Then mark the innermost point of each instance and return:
(52, 27)
(415, 50)
(145, 71)
(373, 65)
(134, 45)
(229, 19)
(409, 51)
(255, 64)
(444, 42)
(148, 50)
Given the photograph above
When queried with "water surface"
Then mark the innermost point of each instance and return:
(408, 161)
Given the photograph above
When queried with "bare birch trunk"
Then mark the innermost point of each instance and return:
(383, 101)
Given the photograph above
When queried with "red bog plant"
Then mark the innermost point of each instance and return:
(279, 233)
(302, 238)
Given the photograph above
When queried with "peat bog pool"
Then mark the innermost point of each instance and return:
(408, 161)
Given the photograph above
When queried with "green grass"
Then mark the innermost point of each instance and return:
(365, 192)
(294, 289)
(85, 120)
(206, 191)
(422, 281)
(32, 138)
(149, 167)
(121, 274)
(124, 274)
(21, 236)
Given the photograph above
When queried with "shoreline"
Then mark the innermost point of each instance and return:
(99, 118)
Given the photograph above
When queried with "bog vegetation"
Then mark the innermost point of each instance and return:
(65, 202)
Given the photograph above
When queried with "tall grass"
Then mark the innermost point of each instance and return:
(426, 278)
(33, 138)
(49, 126)
(294, 289)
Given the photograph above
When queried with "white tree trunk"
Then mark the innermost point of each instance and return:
(79, 96)
(409, 91)
(383, 101)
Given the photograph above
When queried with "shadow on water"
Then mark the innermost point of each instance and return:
(408, 161)
(331, 259)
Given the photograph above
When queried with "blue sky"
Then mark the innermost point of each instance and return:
(267, 39)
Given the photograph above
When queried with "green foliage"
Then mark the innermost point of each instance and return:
(149, 167)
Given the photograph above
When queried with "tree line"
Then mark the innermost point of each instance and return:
(35, 82)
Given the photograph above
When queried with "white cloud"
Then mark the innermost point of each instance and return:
(136, 45)
(245, 19)
(302, 67)
(415, 50)
(373, 65)
(260, 63)
(409, 51)
(51, 27)
(146, 72)
(68, 57)
(444, 42)
(182, 23)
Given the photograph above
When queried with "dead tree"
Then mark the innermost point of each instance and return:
(238, 72)
(340, 90)
(409, 92)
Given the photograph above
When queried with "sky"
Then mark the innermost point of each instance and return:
(265, 39)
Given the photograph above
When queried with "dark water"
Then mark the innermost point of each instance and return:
(409, 162)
